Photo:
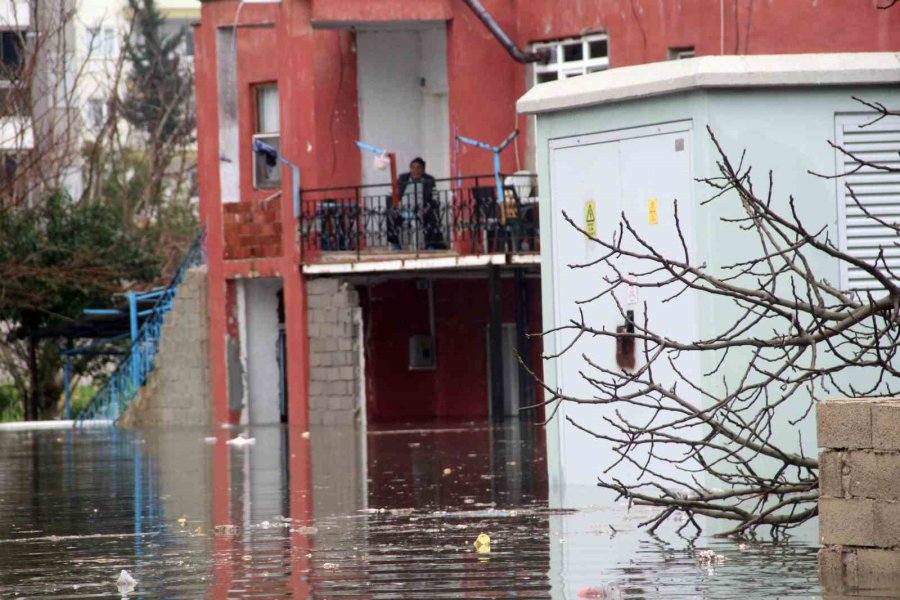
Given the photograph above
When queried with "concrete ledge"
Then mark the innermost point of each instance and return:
(707, 72)
(420, 264)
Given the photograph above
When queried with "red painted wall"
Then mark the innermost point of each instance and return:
(457, 388)
(316, 73)
(316, 68)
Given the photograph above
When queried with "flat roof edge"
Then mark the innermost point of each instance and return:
(713, 72)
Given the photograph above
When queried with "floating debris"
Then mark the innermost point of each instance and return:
(210, 440)
(482, 543)
(306, 530)
(709, 558)
(447, 471)
(227, 529)
(330, 566)
(305, 435)
(125, 582)
(182, 520)
(609, 592)
(241, 441)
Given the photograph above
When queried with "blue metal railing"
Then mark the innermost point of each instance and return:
(122, 385)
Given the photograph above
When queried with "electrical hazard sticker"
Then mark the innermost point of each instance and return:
(590, 218)
(652, 216)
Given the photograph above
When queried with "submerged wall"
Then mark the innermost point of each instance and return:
(177, 392)
(859, 486)
(334, 356)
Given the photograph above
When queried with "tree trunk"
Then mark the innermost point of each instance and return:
(31, 405)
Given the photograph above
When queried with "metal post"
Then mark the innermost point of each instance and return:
(495, 343)
(525, 388)
(358, 222)
(66, 375)
(497, 176)
(295, 187)
(135, 356)
(395, 188)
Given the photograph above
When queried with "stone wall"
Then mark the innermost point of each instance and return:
(177, 392)
(335, 374)
(859, 486)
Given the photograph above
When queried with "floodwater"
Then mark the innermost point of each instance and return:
(391, 514)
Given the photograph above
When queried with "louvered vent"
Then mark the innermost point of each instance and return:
(878, 191)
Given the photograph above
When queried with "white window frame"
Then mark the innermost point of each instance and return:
(101, 41)
(573, 68)
(265, 177)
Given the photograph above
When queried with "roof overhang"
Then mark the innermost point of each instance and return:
(713, 72)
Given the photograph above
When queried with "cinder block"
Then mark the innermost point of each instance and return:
(873, 474)
(347, 373)
(878, 568)
(887, 525)
(886, 425)
(849, 522)
(317, 417)
(340, 403)
(834, 574)
(830, 474)
(325, 286)
(844, 424)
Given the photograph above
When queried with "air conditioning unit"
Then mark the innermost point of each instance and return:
(266, 170)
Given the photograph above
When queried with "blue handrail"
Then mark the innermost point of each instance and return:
(122, 385)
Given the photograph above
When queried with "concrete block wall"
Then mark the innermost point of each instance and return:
(335, 373)
(859, 494)
(177, 392)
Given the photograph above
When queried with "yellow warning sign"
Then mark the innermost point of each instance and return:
(652, 216)
(590, 218)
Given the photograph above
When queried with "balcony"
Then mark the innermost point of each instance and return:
(457, 223)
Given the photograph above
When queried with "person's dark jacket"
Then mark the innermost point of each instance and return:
(427, 182)
(430, 208)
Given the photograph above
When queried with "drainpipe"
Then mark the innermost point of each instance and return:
(514, 51)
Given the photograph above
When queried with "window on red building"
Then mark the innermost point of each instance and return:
(268, 130)
(573, 57)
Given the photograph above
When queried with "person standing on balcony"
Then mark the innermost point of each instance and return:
(421, 187)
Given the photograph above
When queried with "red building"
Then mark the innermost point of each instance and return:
(384, 304)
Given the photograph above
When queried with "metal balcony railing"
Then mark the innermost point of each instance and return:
(460, 216)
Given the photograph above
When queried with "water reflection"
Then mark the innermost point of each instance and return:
(390, 514)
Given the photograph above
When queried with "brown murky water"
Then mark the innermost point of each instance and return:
(393, 514)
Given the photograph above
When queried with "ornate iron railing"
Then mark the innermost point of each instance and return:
(461, 215)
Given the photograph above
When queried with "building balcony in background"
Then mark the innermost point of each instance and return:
(457, 217)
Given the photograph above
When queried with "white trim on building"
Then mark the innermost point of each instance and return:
(654, 79)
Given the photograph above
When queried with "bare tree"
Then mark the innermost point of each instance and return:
(706, 445)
